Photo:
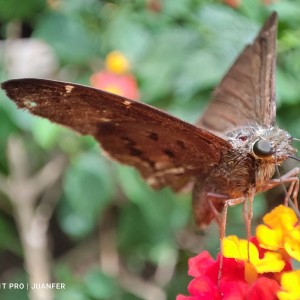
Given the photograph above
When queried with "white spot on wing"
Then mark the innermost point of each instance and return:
(158, 177)
(127, 103)
(161, 165)
(152, 181)
(69, 88)
(105, 120)
(29, 103)
(179, 170)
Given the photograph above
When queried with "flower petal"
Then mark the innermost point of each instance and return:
(271, 262)
(292, 243)
(282, 217)
(268, 238)
(201, 264)
(204, 287)
(232, 270)
(182, 297)
(233, 290)
(233, 247)
(290, 283)
(123, 85)
(263, 289)
(116, 62)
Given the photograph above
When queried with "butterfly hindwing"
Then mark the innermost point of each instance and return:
(246, 95)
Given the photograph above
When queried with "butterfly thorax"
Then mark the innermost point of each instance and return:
(242, 167)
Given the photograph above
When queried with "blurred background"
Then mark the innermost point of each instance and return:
(67, 213)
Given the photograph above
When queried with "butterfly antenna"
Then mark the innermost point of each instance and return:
(279, 175)
(291, 203)
(295, 158)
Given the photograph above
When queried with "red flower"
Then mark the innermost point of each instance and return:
(123, 85)
(233, 284)
(263, 288)
(233, 3)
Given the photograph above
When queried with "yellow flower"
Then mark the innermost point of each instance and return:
(117, 63)
(290, 286)
(246, 251)
(282, 217)
(280, 231)
(233, 247)
(292, 243)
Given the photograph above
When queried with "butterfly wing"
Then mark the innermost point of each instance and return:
(166, 150)
(246, 95)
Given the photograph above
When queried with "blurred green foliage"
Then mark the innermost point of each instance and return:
(178, 53)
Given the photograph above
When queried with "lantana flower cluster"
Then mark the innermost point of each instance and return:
(116, 78)
(261, 268)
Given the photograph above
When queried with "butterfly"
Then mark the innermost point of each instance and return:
(228, 156)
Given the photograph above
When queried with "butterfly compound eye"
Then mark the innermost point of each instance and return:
(262, 149)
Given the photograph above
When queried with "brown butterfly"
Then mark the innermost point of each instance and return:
(229, 155)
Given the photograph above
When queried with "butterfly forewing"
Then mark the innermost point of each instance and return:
(166, 150)
(246, 95)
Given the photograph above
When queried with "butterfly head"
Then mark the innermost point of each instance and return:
(271, 144)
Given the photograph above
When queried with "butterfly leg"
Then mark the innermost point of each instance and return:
(293, 190)
(221, 218)
(248, 214)
(221, 215)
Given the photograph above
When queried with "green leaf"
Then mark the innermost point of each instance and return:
(287, 88)
(100, 286)
(164, 60)
(288, 11)
(191, 79)
(9, 239)
(8, 127)
(67, 35)
(125, 34)
(152, 216)
(71, 292)
(229, 35)
(18, 10)
(88, 189)
(45, 133)
(20, 279)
